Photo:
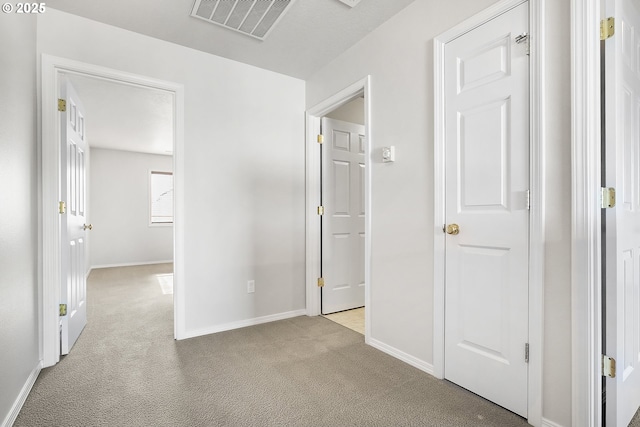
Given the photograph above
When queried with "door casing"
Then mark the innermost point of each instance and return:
(586, 254)
(536, 220)
(313, 118)
(49, 234)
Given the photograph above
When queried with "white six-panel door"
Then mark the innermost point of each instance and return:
(487, 182)
(343, 220)
(73, 191)
(622, 236)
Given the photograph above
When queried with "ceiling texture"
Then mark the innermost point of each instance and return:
(145, 126)
(308, 35)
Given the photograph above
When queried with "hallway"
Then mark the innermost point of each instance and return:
(127, 370)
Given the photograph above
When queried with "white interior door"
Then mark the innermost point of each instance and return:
(487, 182)
(622, 236)
(73, 190)
(343, 166)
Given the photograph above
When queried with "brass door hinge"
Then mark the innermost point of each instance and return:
(320, 210)
(320, 139)
(320, 282)
(62, 105)
(607, 28)
(62, 207)
(63, 310)
(608, 366)
(608, 197)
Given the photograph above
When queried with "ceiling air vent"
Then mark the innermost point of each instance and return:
(255, 18)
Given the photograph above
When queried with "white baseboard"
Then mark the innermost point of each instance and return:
(130, 264)
(547, 423)
(245, 323)
(398, 354)
(26, 388)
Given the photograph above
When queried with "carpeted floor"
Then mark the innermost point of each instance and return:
(126, 370)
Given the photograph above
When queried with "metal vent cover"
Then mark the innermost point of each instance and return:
(255, 18)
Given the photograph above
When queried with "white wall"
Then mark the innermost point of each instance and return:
(244, 168)
(119, 209)
(352, 112)
(19, 341)
(399, 57)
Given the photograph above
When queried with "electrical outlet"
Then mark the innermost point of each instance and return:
(251, 286)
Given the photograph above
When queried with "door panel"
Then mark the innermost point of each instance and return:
(343, 220)
(483, 134)
(622, 235)
(487, 180)
(73, 191)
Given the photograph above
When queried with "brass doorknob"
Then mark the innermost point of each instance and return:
(453, 229)
(90, 227)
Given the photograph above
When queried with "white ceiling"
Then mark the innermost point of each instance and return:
(124, 117)
(310, 34)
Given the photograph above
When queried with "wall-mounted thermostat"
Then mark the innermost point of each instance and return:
(388, 154)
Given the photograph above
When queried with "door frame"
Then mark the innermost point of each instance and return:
(313, 118)
(50, 236)
(537, 195)
(586, 237)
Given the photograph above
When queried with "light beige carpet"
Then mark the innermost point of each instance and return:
(126, 370)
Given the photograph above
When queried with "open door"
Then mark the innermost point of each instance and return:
(343, 172)
(622, 222)
(73, 190)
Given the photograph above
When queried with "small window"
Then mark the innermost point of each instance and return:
(161, 197)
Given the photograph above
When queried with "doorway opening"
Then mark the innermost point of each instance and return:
(129, 177)
(90, 79)
(338, 208)
(342, 220)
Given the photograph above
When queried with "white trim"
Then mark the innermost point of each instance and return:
(313, 117)
(51, 67)
(586, 347)
(548, 423)
(439, 216)
(478, 19)
(537, 219)
(398, 354)
(22, 396)
(130, 264)
(537, 188)
(312, 227)
(244, 323)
